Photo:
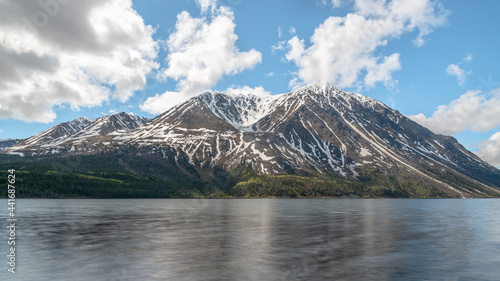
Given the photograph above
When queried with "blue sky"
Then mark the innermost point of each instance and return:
(414, 55)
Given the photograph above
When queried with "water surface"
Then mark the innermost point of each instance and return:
(255, 239)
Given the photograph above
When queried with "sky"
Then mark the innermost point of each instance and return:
(436, 62)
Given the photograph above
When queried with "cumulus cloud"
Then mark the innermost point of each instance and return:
(490, 150)
(201, 52)
(344, 49)
(382, 72)
(296, 49)
(455, 70)
(472, 111)
(292, 30)
(78, 53)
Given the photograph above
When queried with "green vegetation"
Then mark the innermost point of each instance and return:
(371, 184)
(292, 186)
(162, 172)
(130, 172)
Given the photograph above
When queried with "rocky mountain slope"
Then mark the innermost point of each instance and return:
(317, 130)
(6, 143)
(82, 134)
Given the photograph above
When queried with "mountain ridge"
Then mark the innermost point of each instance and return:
(6, 143)
(315, 130)
(76, 131)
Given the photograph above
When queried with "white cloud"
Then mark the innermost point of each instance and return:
(467, 58)
(112, 111)
(292, 30)
(280, 46)
(79, 53)
(245, 90)
(471, 111)
(461, 74)
(296, 49)
(201, 52)
(490, 151)
(343, 49)
(455, 70)
(161, 102)
(382, 72)
(280, 33)
(1, 131)
(207, 5)
(333, 3)
(270, 74)
(336, 3)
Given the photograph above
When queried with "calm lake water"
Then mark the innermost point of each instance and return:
(255, 239)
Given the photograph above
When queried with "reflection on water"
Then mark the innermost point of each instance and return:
(256, 239)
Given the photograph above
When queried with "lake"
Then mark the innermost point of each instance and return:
(254, 239)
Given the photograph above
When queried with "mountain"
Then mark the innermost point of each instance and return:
(52, 137)
(81, 134)
(6, 143)
(314, 139)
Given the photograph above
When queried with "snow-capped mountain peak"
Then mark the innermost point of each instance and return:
(240, 110)
(54, 135)
(316, 129)
(79, 130)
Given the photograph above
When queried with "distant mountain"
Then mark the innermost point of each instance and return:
(80, 134)
(4, 144)
(317, 131)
